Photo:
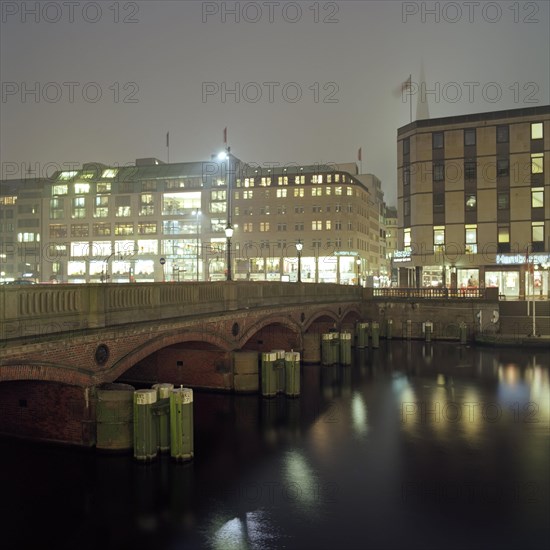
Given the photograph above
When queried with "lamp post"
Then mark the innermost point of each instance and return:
(198, 213)
(358, 262)
(225, 155)
(299, 246)
(228, 235)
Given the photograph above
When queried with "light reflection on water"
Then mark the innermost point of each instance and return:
(414, 446)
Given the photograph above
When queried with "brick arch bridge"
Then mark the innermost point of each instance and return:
(59, 344)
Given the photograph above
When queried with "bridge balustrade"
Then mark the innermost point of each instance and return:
(39, 311)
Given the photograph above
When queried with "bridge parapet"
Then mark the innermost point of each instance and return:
(40, 310)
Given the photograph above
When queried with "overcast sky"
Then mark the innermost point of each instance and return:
(315, 81)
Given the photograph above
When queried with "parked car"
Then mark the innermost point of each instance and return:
(20, 282)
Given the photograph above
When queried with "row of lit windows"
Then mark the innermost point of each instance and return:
(296, 193)
(283, 210)
(284, 180)
(470, 236)
(120, 250)
(7, 201)
(316, 225)
(172, 227)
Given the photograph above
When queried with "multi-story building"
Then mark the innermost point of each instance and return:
(391, 222)
(474, 201)
(167, 222)
(20, 220)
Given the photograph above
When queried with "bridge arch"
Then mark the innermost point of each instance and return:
(287, 322)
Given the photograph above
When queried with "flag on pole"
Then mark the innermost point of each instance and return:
(405, 86)
(167, 139)
(225, 135)
(359, 155)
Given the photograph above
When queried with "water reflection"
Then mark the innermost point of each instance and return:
(415, 445)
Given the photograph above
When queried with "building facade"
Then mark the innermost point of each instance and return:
(474, 202)
(167, 222)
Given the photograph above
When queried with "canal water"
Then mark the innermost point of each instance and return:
(414, 446)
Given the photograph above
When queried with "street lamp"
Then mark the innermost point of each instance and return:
(228, 235)
(358, 262)
(225, 155)
(299, 246)
(198, 213)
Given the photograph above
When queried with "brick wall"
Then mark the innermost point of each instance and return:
(46, 411)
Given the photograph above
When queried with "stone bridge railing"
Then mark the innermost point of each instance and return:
(31, 311)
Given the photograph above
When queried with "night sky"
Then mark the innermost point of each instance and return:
(105, 81)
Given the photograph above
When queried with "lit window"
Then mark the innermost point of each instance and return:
(79, 207)
(471, 239)
(503, 234)
(147, 246)
(298, 192)
(101, 209)
(104, 187)
(337, 190)
(316, 225)
(281, 193)
(67, 175)
(439, 238)
(471, 202)
(536, 130)
(265, 182)
(60, 189)
(109, 173)
(537, 163)
(81, 188)
(264, 226)
(349, 191)
(124, 228)
(537, 197)
(328, 224)
(407, 239)
(537, 232)
(101, 229)
(147, 228)
(317, 192)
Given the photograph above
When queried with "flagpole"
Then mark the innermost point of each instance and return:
(168, 147)
(410, 99)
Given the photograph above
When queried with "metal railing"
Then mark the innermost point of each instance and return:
(436, 293)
